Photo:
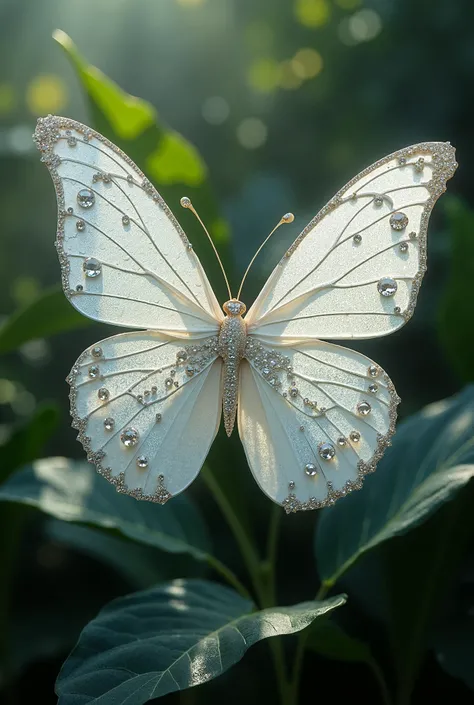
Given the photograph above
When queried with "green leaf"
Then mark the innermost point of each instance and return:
(170, 638)
(454, 646)
(171, 163)
(49, 314)
(329, 639)
(431, 459)
(73, 491)
(455, 312)
(28, 440)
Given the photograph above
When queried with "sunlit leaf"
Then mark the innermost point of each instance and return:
(167, 158)
(169, 638)
(49, 314)
(431, 459)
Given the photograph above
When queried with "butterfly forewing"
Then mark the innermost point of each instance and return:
(124, 257)
(355, 271)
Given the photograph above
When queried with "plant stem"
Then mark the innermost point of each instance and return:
(230, 576)
(379, 677)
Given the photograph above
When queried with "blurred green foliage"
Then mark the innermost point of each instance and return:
(270, 108)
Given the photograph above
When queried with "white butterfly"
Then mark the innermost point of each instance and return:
(313, 417)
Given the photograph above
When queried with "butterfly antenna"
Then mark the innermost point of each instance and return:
(186, 203)
(287, 218)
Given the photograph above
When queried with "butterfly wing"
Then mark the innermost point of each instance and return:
(125, 260)
(355, 270)
(314, 418)
(147, 408)
(147, 403)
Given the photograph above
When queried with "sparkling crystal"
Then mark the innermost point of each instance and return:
(79, 288)
(103, 394)
(373, 371)
(402, 161)
(168, 383)
(373, 388)
(293, 392)
(419, 165)
(80, 225)
(70, 210)
(397, 310)
(181, 356)
(291, 485)
(378, 200)
(387, 286)
(94, 371)
(86, 198)
(354, 436)
(96, 352)
(412, 235)
(129, 437)
(142, 462)
(126, 220)
(190, 370)
(341, 441)
(357, 238)
(92, 267)
(398, 221)
(301, 428)
(326, 451)
(158, 418)
(234, 307)
(109, 424)
(310, 469)
(403, 247)
(364, 408)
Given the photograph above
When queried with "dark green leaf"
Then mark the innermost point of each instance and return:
(170, 638)
(329, 639)
(172, 164)
(73, 491)
(47, 315)
(431, 459)
(456, 334)
(454, 646)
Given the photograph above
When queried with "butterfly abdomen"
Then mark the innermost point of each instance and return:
(232, 339)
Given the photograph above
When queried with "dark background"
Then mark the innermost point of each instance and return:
(285, 100)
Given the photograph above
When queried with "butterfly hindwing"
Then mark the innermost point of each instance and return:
(147, 408)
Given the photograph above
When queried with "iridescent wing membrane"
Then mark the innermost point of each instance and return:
(147, 404)
(314, 418)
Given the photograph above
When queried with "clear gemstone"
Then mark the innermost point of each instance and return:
(373, 388)
(398, 221)
(142, 461)
(364, 408)
(403, 247)
(301, 428)
(126, 220)
(310, 469)
(129, 437)
(94, 371)
(168, 382)
(341, 441)
(357, 238)
(402, 161)
(86, 198)
(234, 307)
(291, 485)
(326, 451)
(181, 356)
(355, 436)
(373, 371)
(387, 286)
(92, 267)
(79, 288)
(96, 352)
(109, 424)
(378, 200)
(412, 235)
(158, 418)
(293, 392)
(190, 370)
(80, 225)
(103, 394)
(397, 310)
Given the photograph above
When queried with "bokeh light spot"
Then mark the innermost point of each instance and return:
(264, 75)
(24, 290)
(7, 98)
(365, 25)
(312, 13)
(215, 110)
(307, 63)
(252, 133)
(289, 80)
(46, 94)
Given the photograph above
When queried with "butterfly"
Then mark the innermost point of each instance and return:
(314, 417)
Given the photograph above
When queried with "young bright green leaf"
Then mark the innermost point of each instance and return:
(455, 312)
(171, 163)
(49, 314)
(169, 638)
(73, 491)
(431, 459)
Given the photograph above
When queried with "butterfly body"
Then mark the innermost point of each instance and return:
(232, 343)
(314, 417)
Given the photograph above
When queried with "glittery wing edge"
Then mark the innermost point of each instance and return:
(147, 407)
(125, 260)
(356, 269)
(314, 418)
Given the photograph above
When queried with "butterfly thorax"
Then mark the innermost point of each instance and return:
(232, 337)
